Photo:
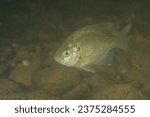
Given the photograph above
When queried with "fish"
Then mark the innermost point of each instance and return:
(91, 45)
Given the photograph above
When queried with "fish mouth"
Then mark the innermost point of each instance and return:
(61, 61)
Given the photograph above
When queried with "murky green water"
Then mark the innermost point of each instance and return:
(31, 30)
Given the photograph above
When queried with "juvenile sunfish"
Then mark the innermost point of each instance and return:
(91, 45)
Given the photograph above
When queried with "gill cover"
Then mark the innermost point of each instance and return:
(71, 55)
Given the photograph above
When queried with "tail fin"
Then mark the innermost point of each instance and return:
(122, 42)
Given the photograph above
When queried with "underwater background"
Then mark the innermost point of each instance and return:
(31, 30)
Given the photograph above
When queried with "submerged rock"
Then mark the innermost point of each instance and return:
(121, 92)
(8, 85)
(146, 88)
(56, 79)
(97, 85)
(23, 74)
(11, 91)
(6, 57)
(36, 95)
(107, 89)
(26, 63)
(7, 89)
(79, 92)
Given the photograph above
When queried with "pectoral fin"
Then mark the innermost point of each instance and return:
(88, 68)
(122, 41)
(105, 59)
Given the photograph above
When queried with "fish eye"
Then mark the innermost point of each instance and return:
(66, 53)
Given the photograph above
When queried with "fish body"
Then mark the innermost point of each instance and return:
(91, 45)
